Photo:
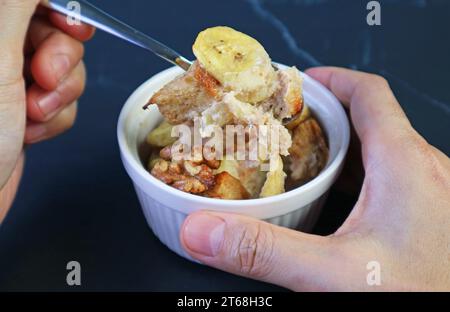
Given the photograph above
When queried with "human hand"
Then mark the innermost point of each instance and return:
(41, 77)
(401, 220)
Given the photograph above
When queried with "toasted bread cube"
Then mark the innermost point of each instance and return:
(287, 101)
(309, 151)
(227, 187)
(185, 97)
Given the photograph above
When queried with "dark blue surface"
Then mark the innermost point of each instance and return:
(76, 202)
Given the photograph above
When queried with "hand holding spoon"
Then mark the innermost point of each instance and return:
(94, 16)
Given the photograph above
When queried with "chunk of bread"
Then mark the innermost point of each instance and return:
(251, 177)
(309, 151)
(287, 100)
(227, 187)
(185, 97)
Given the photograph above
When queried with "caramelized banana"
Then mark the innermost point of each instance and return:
(237, 61)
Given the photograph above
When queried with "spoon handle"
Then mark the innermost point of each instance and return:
(89, 14)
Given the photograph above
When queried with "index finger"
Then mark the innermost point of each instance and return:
(81, 32)
(375, 112)
(378, 118)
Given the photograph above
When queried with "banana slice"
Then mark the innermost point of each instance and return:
(299, 118)
(274, 184)
(237, 61)
(162, 135)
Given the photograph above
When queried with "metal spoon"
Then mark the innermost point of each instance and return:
(91, 15)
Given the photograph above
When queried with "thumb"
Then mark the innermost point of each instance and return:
(15, 16)
(258, 250)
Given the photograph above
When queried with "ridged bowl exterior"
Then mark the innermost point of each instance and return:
(166, 208)
(166, 222)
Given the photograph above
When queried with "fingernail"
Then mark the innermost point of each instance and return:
(50, 103)
(61, 66)
(35, 133)
(203, 234)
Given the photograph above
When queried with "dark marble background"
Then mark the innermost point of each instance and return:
(77, 203)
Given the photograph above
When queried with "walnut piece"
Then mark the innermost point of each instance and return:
(186, 176)
(190, 185)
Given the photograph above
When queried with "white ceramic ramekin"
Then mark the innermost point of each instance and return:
(165, 208)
